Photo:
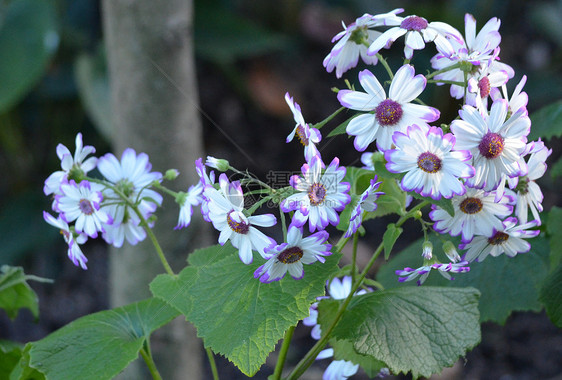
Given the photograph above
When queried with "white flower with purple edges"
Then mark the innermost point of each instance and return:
(186, 201)
(409, 274)
(308, 136)
(366, 203)
(476, 213)
(518, 99)
(226, 213)
(132, 178)
(205, 179)
(433, 169)
(529, 194)
(338, 369)
(417, 33)
(71, 238)
(76, 165)
(471, 53)
(484, 84)
(81, 203)
(495, 142)
(353, 42)
(386, 115)
(320, 195)
(290, 256)
(508, 240)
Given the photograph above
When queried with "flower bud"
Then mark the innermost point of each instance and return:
(427, 250)
(171, 174)
(451, 251)
(217, 163)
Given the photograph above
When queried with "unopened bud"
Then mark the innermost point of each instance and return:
(171, 174)
(427, 250)
(451, 251)
(217, 163)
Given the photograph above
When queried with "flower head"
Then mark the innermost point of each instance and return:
(73, 167)
(495, 142)
(81, 203)
(508, 240)
(409, 274)
(193, 197)
(386, 115)
(476, 212)
(308, 136)
(353, 41)
(226, 208)
(71, 238)
(204, 179)
(320, 195)
(290, 256)
(417, 32)
(367, 203)
(432, 167)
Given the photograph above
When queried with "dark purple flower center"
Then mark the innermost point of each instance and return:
(414, 23)
(471, 205)
(290, 255)
(491, 145)
(316, 194)
(498, 238)
(484, 86)
(388, 112)
(238, 227)
(86, 207)
(429, 162)
(302, 136)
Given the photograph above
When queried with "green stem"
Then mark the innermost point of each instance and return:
(256, 205)
(446, 82)
(326, 335)
(283, 223)
(212, 364)
(150, 364)
(327, 120)
(443, 70)
(250, 178)
(386, 66)
(354, 258)
(283, 353)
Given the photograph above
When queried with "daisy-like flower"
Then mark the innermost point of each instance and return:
(132, 178)
(193, 197)
(432, 168)
(290, 256)
(81, 203)
(321, 195)
(386, 115)
(338, 369)
(366, 203)
(495, 142)
(418, 32)
(484, 83)
(73, 167)
(508, 240)
(226, 213)
(518, 99)
(471, 53)
(409, 274)
(308, 136)
(353, 41)
(205, 179)
(476, 212)
(71, 238)
(529, 194)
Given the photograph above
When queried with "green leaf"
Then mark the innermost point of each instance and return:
(340, 129)
(235, 314)
(343, 350)
(15, 293)
(359, 179)
(392, 202)
(553, 228)
(28, 39)
(506, 284)
(10, 354)
(22, 370)
(389, 238)
(547, 122)
(99, 345)
(415, 329)
(551, 296)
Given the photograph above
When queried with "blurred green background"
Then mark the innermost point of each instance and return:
(54, 84)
